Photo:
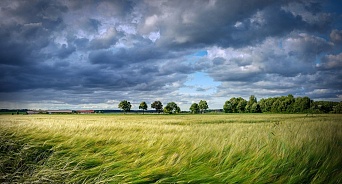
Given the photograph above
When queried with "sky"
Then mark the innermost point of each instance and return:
(62, 54)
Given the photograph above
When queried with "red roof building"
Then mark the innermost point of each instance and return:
(85, 111)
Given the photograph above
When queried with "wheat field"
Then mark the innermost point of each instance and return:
(222, 148)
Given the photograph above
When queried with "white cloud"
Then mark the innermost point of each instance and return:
(105, 40)
(336, 36)
(301, 9)
(150, 24)
(153, 36)
(332, 62)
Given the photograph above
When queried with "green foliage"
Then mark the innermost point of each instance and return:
(302, 104)
(143, 106)
(171, 107)
(338, 108)
(282, 104)
(194, 108)
(241, 105)
(202, 105)
(287, 104)
(235, 105)
(125, 105)
(178, 109)
(266, 104)
(157, 105)
(255, 108)
(324, 106)
(252, 105)
(228, 107)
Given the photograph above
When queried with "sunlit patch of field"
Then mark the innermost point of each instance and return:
(230, 148)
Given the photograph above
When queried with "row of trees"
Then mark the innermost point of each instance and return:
(282, 104)
(170, 108)
(200, 107)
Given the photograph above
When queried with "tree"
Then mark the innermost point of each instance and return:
(143, 106)
(178, 109)
(125, 106)
(302, 104)
(168, 109)
(241, 105)
(194, 108)
(263, 105)
(234, 102)
(202, 105)
(325, 106)
(171, 107)
(266, 104)
(338, 108)
(289, 101)
(157, 105)
(227, 107)
(275, 105)
(252, 100)
(255, 108)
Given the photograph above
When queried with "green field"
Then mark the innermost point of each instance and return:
(227, 148)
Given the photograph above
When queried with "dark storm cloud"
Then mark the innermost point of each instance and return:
(145, 54)
(271, 21)
(65, 51)
(79, 52)
(47, 12)
(93, 24)
(26, 29)
(191, 23)
(227, 23)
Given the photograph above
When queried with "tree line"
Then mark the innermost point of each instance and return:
(282, 104)
(170, 108)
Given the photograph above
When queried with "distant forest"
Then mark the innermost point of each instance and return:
(282, 104)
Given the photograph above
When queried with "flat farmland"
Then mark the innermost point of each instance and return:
(135, 148)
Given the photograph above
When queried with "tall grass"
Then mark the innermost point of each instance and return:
(233, 148)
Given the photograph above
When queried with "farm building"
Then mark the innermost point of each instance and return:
(59, 111)
(85, 111)
(36, 112)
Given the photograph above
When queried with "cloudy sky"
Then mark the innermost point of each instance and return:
(62, 54)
